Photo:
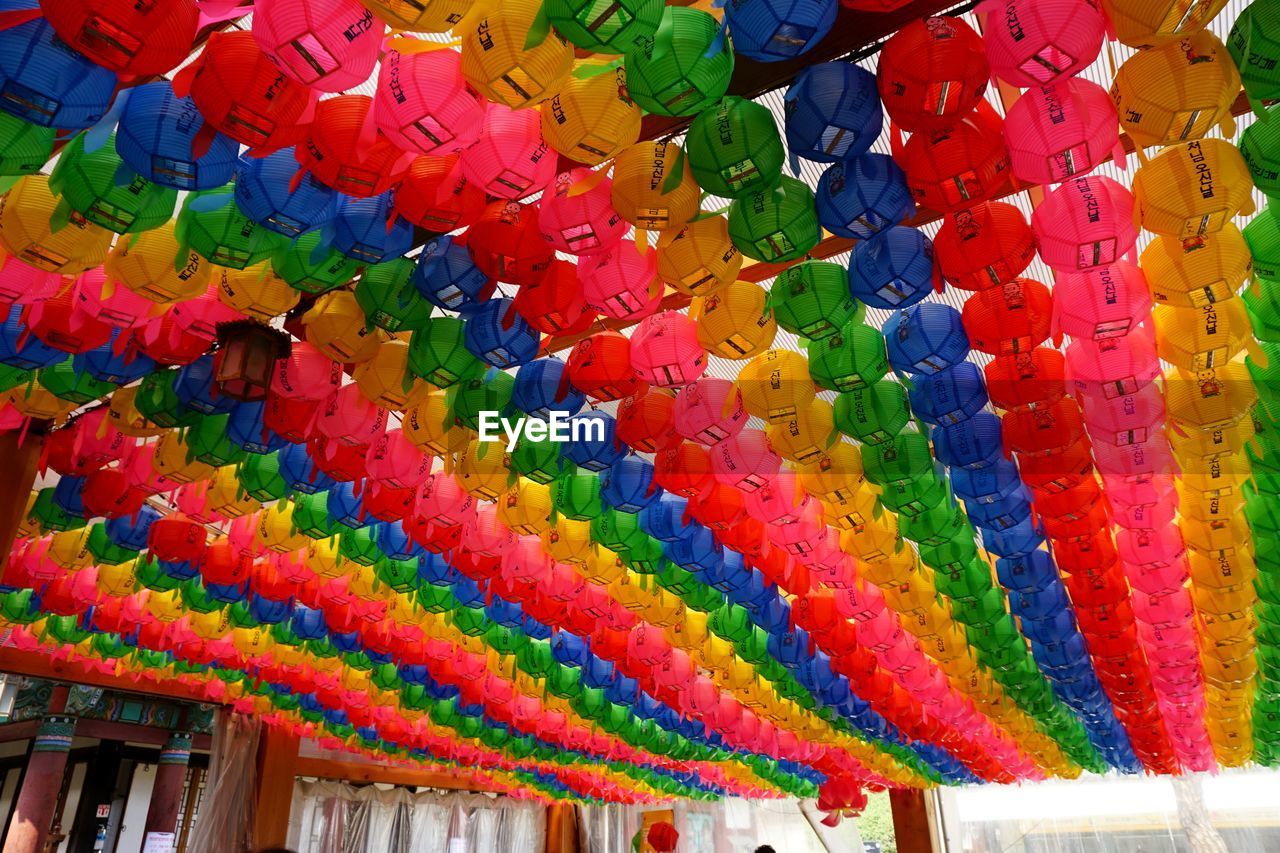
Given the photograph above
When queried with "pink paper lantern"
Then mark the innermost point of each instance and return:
(113, 302)
(746, 461)
(576, 214)
(1152, 549)
(1035, 42)
(23, 284)
(396, 461)
(329, 45)
(305, 374)
(202, 316)
(1126, 419)
(665, 350)
(781, 500)
(442, 500)
(621, 282)
(1114, 367)
(710, 410)
(423, 104)
(1134, 461)
(1062, 130)
(1085, 223)
(348, 418)
(510, 159)
(1101, 303)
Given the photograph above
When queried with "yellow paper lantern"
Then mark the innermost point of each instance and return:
(337, 327)
(496, 62)
(847, 511)
(776, 385)
(735, 322)
(899, 567)
(431, 427)
(1203, 338)
(644, 195)
(209, 626)
(226, 497)
(70, 549)
(118, 580)
(805, 436)
(591, 118)
(1151, 23)
(256, 291)
(126, 418)
(323, 558)
(385, 381)
(165, 606)
(38, 403)
(1193, 189)
(875, 541)
(1204, 508)
(274, 529)
(27, 233)
(526, 507)
(699, 258)
(602, 566)
(1209, 400)
(1239, 569)
(568, 540)
(154, 266)
(1227, 437)
(835, 475)
(173, 460)
(252, 641)
(484, 470)
(1177, 92)
(420, 16)
(1197, 272)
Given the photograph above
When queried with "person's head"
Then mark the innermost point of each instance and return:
(765, 848)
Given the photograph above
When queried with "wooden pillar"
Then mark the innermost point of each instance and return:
(42, 781)
(171, 780)
(911, 821)
(21, 461)
(277, 766)
(562, 828)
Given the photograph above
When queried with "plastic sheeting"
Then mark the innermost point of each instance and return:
(224, 823)
(334, 817)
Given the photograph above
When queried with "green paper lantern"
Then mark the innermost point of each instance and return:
(732, 622)
(775, 225)
(540, 461)
(158, 402)
(18, 606)
(14, 377)
(438, 355)
(312, 268)
(470, 621)
(66, 382)
(645, 556)
(617, 530)
(1254, 44)
(358, 661)
(535, 658)
(470, 397)
(734, 148)
(212, 224)
(196, 598)
(400, 575)
(389, 299)
(564, 682)
(1262, 302)
(703, 599)
(577, 496)
(605, 26)
(87, 183)
(322, 648)
(109, 646)
(1263, 236)
(24, 147)
(207, 442)
(913, 497)
(46, 513)
(952, 557)
(311, 516)
(904, 458)
(811, 299)
(259, 476)
(873, 415)
(1260, 147)
(104, 551)
(967, 582)
(358, 545)
(684, 68)
(854, 357)
(152, 577)
(436, 599)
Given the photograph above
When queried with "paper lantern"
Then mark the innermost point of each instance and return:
(65, 381)
(61, 323)
(47, 84)
(775, 225)
(949, 396)
(160, 139)
(447, 277)
(1086, 222)
(985, 246)
(811, 299)
(960, 165)
(925, 338)
(100, 297)
(709, 411)
(1174, 197)
(833, 112)
(1253, 45)
(336, 326)
(576, 216)
(745, 461)
(423, 104)
(433, 194)
(430, 425)
(653, 186)
(542, 387)
(620, 282)
(1202, 338)
(893, 269)
(438, 355)
(368, 230)
(645, 422)
(853, 357)
(1063, 129)
(506, 243)
(555, 305)
(510, 158)
(264, 195)
(23, 284)
(665, 350)
(684, 68)
(385, 381)
(1177, 92)
(735, 322)
(343, 149)
(863, 196)
(1113, 367)
(1153, 23)
(592, 117)
(125, 38)
(1038, 44)
(389, 298)
(932, 72)
(1009, 320)
(600, 367)
(87, 183)
(27, 234)
(1104, 302)
(698, 258)
(508, 66)
(775, 385)
(772, 32)
(255, 291)
(874, 414)
(497, 335)
(241, 93)
(212, 225)
(27, 146)
(734, 148)
(608, 28)
(311, 266)
(329, 45)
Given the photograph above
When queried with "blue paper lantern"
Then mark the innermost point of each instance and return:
(230, 593)
(29, 354)
(195, 389)
(1008, 511)
(986, 484)
(1017, 541)
(179, 570)
(925, 338)
(542, 387)
(308, 624)
(972, 443)
(368, 230)
(833, 112)
(130, 531)
(628, 485)
(395, 542)
(47, 83)
(262, 191)
(697, 553)
(667, 519)
(106, 365)
(949, 396)
(774, 30)
(434, 569)
(164, 139)
(246, 429)
(67, 496)
(894, 269)
(496, 334)
(862, 197)
(448, 278)
(344, 504)
(592, 454)
(301, 474)
(1029, 573)
(570, 649)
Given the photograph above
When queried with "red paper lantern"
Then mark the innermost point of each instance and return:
(435, 195)
(1043, 430)
(1011, 319)
(647, 422)
(506, 243)
(64, 325)
(600, 367)
(342, 462)
(684, 470)
(107, 493)
(554, 304)
(958, 166)
(167, 342)
(720, 507)
(290, 418)
(932, 73)
(125, 36)
(1028, 378)
(344, 149)
(984, 246)
(176, 538)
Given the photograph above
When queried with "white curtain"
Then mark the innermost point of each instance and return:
(727, 826)
(334, 817)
